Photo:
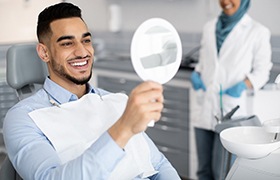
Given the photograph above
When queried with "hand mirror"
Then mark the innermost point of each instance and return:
(156, 50)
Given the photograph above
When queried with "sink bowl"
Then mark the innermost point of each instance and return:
(250, 142)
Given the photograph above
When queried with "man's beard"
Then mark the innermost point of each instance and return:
(57, 68)
(78, 81)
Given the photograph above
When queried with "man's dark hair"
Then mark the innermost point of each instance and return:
(52, 13)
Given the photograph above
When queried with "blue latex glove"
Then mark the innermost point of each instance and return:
(236, 90)
(197, 82)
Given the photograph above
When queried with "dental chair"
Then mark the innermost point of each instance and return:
(26, 73)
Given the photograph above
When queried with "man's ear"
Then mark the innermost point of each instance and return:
(42, 51)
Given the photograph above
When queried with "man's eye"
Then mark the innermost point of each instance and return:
(66, 44)
(87, 41)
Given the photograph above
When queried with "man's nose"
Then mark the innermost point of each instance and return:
(81, 50)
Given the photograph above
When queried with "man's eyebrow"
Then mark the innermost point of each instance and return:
(64, 37)
(72, 37)
(86, 34)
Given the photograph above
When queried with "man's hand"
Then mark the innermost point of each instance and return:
(145, 103)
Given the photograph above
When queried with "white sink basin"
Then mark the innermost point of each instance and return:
(249, 141)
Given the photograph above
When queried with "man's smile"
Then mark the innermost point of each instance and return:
(79, 64)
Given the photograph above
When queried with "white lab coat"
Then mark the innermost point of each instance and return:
(246, 52)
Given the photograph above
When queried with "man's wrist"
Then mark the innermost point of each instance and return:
(119, 134)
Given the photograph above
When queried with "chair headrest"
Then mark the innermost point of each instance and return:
(24, 66)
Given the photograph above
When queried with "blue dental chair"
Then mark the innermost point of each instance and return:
(26, 73)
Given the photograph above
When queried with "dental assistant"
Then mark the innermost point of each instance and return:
(235, 57)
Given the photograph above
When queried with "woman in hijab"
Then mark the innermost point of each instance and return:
(235, 58)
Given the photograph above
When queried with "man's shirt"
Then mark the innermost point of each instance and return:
(34, 157)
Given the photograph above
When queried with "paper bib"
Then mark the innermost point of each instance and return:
(76, 125)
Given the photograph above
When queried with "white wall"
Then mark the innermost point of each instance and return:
(185, 15)
(18, 17)
(267, 13)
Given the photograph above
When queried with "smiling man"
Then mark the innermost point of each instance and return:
(68, 52)
(112, 145)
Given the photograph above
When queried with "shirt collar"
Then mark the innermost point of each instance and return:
(61, 95)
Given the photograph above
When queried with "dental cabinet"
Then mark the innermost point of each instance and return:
(172, 133)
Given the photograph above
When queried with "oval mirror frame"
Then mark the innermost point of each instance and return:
(156, 50)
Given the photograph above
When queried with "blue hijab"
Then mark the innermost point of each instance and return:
(226, 23)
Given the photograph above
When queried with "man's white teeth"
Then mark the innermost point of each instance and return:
(228, 6)
(79, 63)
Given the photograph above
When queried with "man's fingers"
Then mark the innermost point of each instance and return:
(147, 86)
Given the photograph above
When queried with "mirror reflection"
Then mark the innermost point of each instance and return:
(161, 48)
(156, 50)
